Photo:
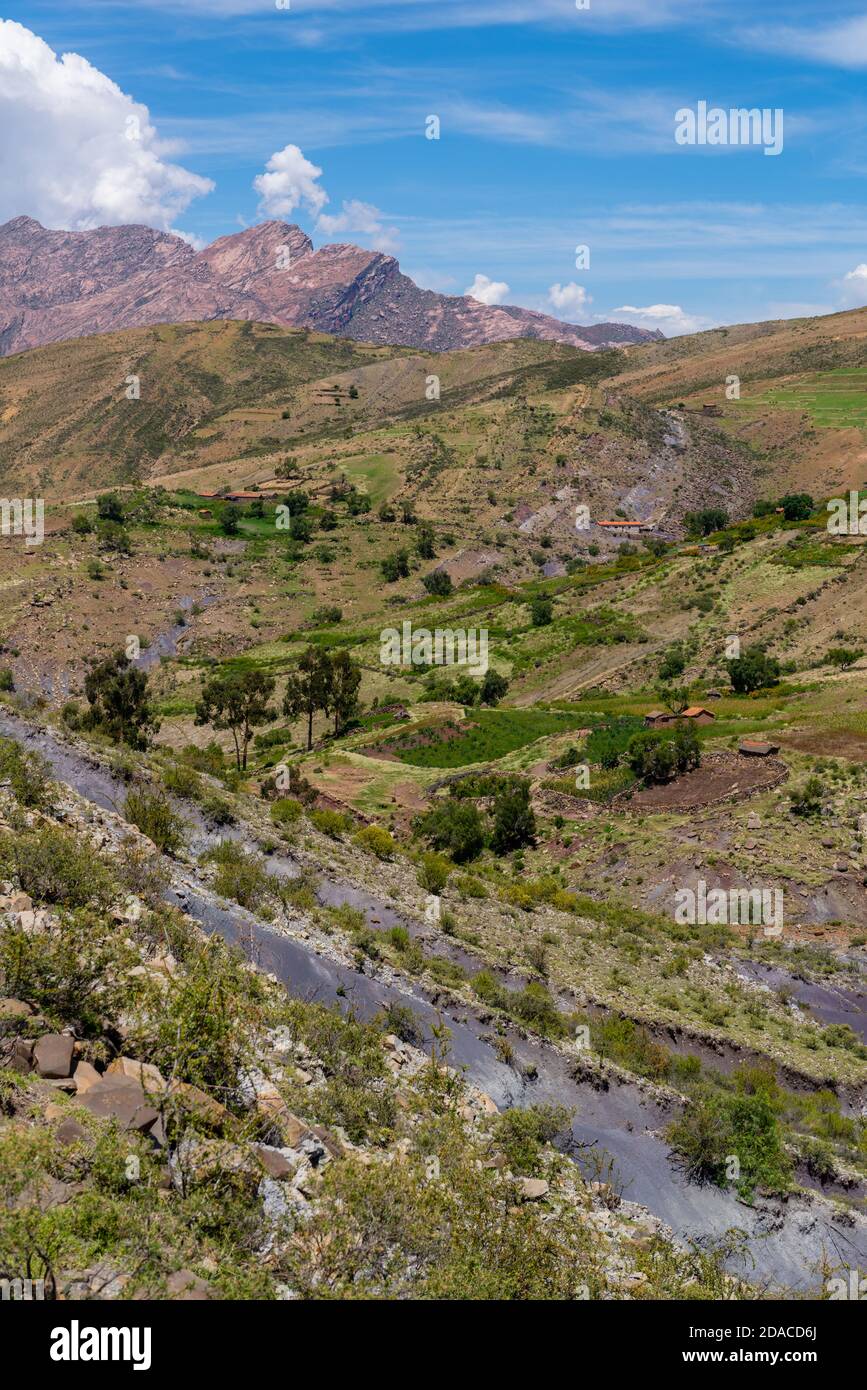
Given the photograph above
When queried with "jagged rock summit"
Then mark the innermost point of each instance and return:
(59, 284)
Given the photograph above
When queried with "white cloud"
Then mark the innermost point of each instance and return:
(198, 243)
(842, 45)
(853, 287)
(487, 291)
(670, 318)
(77, 152)
(288, 181)
(569, 299)
(361, 219)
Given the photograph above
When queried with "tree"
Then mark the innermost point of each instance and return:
(308, 689)
(753, 670)
(673, 663)
(300, 528)
(514, 821)
(328, 521)
(456, 828)
(109, 507)
(296, 502)
(344, 678)
(763, 508)
(229, 520)
(658, 755)
(464, 690)
(541, 610)
(113, 536)
(494, 687)
(424, 541)
(395, 566)
(117, 693)
(357, 504)
(797, 506)
(82, 524)
(439, 582)
(844, 657)
(703, 522)
(674, 697)
(237, 701)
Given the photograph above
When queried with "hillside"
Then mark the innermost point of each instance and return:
(58, 284)
(484, 866)
(803, 393)
(224, 402)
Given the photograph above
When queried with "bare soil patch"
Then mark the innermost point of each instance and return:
(721, 777)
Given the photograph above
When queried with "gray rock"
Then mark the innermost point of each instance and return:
(53, 1055)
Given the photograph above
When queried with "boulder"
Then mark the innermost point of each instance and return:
(70, 1132)
(145, 1073)
(21, 902)
(532, 1189)
(19, 1057)
(277, 1163)
(12, 1009)
(199, 1103)
(120, 1098)
(271, 1104)
(85, 1076)
(52, 1055)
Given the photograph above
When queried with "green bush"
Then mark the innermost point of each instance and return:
(286, 810)
(54, 867)
(181, 779)
(331, 823)
(26, 773)
(433, 872)
(806, 800)
(456, 827)
(155, 817)
(376, 841)
(240, 875)
(522, 1133)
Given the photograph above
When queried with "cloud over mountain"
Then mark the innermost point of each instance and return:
(76, 150)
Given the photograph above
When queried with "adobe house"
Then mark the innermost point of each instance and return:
(628, 526)
(697, 714)
(757, 748)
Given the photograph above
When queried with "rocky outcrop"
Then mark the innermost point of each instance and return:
(57, 284)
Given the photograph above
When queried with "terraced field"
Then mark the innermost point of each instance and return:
(833, 400)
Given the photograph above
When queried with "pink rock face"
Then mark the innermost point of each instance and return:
(56, 285)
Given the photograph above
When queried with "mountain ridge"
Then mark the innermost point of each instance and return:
(56, 285)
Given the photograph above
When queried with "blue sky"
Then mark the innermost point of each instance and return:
(556, 129)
